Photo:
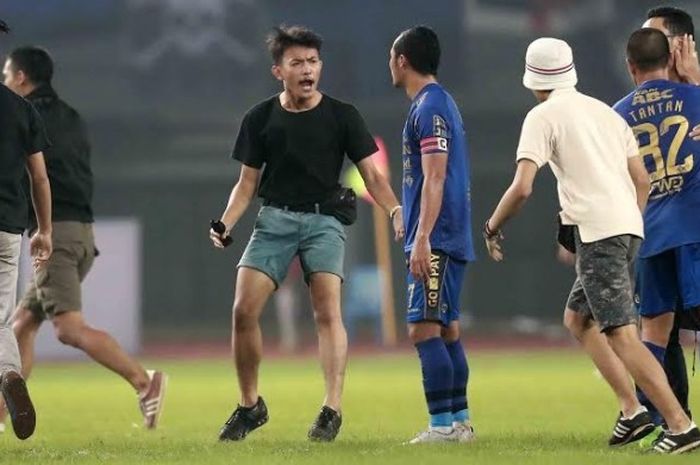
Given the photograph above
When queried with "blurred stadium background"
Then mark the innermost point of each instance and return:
(163, 85)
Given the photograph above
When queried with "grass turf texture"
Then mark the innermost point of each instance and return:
(528, 408)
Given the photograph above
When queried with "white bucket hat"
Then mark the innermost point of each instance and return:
(549, 65)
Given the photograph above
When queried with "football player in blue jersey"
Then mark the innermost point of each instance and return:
(438, 243)
(661, 113)
(677, 26)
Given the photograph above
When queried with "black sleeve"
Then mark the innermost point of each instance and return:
(35, 139)
(249, 148)
(359, 143)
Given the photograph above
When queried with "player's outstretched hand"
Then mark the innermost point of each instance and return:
(695, 133)
(686, 60)
(41, 248)
(397, 223)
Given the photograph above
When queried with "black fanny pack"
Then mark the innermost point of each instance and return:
(341, 204)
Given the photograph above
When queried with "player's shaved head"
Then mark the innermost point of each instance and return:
(648, 49)
(421, 47)
(676, 20)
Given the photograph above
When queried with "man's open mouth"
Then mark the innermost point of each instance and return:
(306, 84)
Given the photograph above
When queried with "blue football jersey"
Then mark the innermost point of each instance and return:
(434, 125)
(661, 114)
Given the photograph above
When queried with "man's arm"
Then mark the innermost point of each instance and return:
(380, 190)
(434, 168)
(239, 200)
(640, 178)
(512, 201)
(41, 246)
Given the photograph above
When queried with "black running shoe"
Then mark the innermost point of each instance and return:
(674, 444)
(243, 420)
(326, 426)
(18, 404)
(631, 429)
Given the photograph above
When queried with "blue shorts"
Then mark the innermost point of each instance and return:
(436, 299)
(669, 281)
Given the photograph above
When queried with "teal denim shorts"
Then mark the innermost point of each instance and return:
(279, 235)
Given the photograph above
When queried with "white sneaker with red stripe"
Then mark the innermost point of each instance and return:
(151, 401)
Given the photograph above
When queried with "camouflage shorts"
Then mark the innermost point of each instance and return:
(604, 277)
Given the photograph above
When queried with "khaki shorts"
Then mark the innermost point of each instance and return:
(55, 288)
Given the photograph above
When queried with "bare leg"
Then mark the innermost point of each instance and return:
(658, 330)
(332, 338)
(71, 329)
(26, 326)
(595, 344)
(419, 332)
(450, 333)
(648, 374)
(253, 288)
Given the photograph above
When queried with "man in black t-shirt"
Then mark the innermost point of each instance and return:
(22, 140)
(29, 71)
(292, 146)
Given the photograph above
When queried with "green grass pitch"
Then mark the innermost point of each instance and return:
(527, 407)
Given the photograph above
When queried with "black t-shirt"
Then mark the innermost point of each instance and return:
(302, 152)
(67, 160)
(21, 135)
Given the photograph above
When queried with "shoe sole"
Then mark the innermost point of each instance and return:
(19, 405)
(161, 402)
(640, 433)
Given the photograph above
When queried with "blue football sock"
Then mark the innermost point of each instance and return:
(660, 354)
(460, 368)
(436, 366)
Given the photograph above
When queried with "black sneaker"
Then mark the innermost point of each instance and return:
(243, 420)
(19, 405)
(631, 429)
(674, 444)
(326, 426)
